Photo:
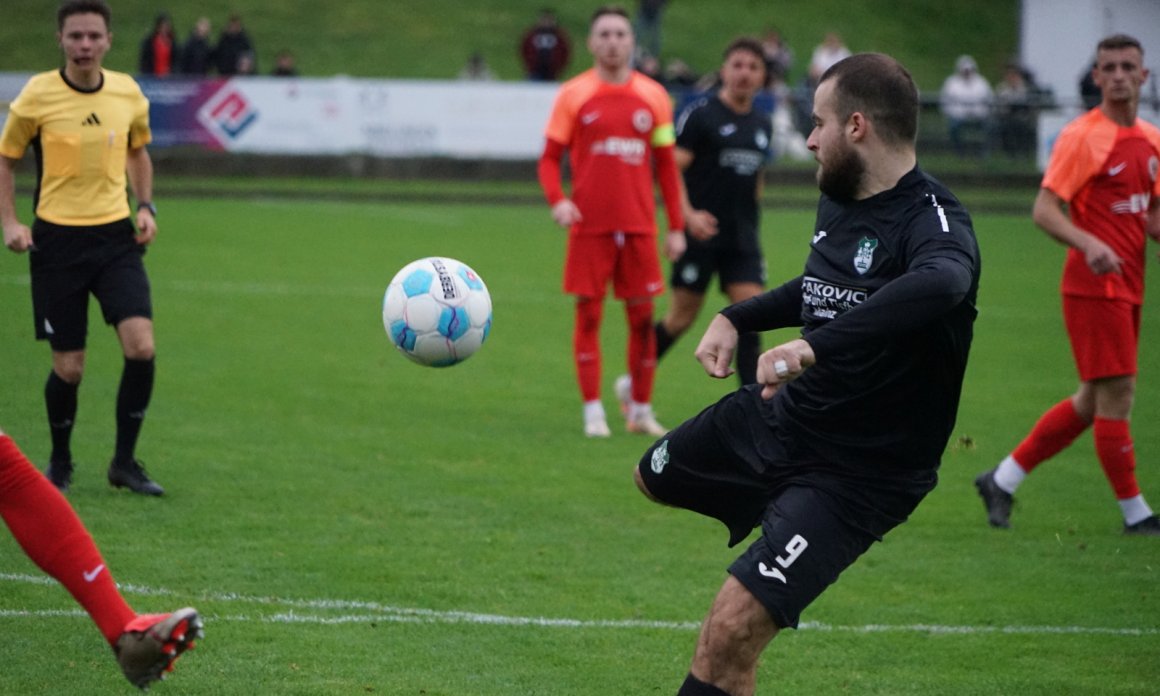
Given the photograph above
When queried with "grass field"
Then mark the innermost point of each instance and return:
(351, 523)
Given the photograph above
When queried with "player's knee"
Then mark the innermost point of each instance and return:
(642, 486)
(69, 367)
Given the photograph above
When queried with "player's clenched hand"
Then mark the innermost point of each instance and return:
(146, 227)
(565, 213)
(715, 351)
(702, 224)
(18, 237)
(1100, 257)
(675, 245)
(782, 364)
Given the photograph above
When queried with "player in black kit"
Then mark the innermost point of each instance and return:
(842, 436)
(722, 146)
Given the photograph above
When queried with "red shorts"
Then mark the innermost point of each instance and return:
(1104, 335)
(630, 261)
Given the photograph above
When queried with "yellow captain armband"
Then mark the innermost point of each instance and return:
(664, 135)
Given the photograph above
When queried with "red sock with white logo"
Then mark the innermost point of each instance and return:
(586, 346)
(1117, 456)
(1056, 429)
(642, 349)
(52, 535)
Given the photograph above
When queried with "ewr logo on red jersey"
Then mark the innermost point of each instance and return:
(630, 150)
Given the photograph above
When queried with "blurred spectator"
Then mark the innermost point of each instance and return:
(197, 54)
(1089, 91)
(831, 50)
(247, 64)
(160, 52)
(648, 26)
(965, 101)
(284, 64)
(476, 69)
(545, 48)
(1015, 97)
(234, 53)
(679, 76)
(650, 65)
(778, 57)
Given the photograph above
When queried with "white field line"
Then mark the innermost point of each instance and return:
(311, 611)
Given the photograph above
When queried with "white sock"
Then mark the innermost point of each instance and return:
(593, 410)
(1008, 475)
(638, 411)
(1135, 509)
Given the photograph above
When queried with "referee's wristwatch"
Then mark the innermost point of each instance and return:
(148, 205)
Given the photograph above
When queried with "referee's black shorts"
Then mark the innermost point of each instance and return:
(69, 263)
(730, 463)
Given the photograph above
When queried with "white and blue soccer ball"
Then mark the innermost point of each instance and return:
(437, 311)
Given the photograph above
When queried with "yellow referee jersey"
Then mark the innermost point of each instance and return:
(81, 139)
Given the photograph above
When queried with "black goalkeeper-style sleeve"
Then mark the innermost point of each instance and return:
(776, 309)
(910, 301)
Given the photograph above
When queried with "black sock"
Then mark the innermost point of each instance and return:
(695, 687)
(132, 400)
(748, 348)
(60, 400)
(665, 340)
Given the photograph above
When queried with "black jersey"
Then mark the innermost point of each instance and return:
(729, 149)
(887, 302)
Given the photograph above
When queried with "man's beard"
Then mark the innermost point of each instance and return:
(841, 178)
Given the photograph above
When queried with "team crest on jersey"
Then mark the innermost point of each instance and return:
(762, 140)
(660, 457)
(864, 259)
(642, 120)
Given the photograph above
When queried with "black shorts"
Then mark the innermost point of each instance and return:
(731, 261)
(730, 463)
(69, 263)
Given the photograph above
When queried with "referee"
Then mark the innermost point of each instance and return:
(843, 433)
(88, 128)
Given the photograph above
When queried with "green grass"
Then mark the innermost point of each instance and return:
(352, 523)
(432, 39)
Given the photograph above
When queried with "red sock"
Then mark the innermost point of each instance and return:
(586, 346)
(642, 349)
(1117, 456)
(53, 536)
(1056, 429)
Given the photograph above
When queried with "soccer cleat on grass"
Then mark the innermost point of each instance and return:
(596, 427)
(1149, 526)
(60, 474)
(151, 644)
(131, 475)
(997, 501)
(645, 423)
(623, 388)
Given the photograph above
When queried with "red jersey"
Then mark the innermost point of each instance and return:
(610, 131)
(1107, 173)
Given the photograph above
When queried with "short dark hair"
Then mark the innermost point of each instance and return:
(881, 88)
(609, 10)
(744, 43)
(1117, 41)
(69, 8)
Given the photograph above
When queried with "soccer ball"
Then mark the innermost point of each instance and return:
(437, 311)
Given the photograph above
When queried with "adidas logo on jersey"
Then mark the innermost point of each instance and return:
(92, 120)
